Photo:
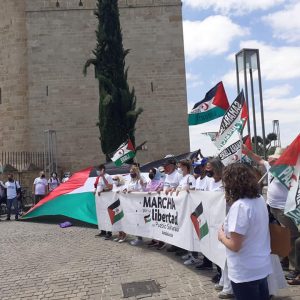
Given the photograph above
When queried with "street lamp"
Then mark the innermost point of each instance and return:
(247, 60)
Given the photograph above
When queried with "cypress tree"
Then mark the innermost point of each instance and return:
(117, 103)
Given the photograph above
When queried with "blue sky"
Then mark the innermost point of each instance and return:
(214, 30)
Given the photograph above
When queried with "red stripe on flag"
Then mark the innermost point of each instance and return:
(196, 225)
(76, 181)
(221, 97)
(290, 155)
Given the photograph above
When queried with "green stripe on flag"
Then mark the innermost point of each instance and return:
(204, 230)
(79, 206)
(119, 216)
(203, 117)
(119, 162)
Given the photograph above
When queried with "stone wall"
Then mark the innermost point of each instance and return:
(60, 40)
(13, 76)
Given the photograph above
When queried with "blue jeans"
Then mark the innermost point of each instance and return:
(10, 203)
(251, 290)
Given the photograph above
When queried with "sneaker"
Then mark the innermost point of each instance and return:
(224, 295)
(218, 287)
(116, 239)
(107, 237)
(122, 240)
(153, 244)
(161, 246)
(136, 242)
(216, 278)
(186, 256)
(191, 261)
(100, 234)
(204, 266)
(291, 275)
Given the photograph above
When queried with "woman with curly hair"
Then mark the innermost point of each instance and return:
(245, 234)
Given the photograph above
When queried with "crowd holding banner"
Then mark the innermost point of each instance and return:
(192, 220)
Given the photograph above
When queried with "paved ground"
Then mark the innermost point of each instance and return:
(42, 261)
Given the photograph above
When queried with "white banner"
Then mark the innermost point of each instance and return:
(190, 220)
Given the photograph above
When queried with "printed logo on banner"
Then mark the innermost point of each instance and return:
(115, 212)
(154, 206)
(199, 222)
(147, 219)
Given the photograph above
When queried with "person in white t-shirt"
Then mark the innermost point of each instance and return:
(245, 234)
(53, 182)
(172, 177)
(40, 187)
(103, 183)
(199, 169)
(12, 194)
(276, 199)
(171, 182)
(187, 182)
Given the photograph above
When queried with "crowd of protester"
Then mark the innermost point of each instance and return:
(245, 232)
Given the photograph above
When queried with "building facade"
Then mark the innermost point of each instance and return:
(43, 49)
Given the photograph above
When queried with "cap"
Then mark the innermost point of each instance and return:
(170, 161)
(201, 163)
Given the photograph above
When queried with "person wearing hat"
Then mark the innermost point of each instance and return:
(171, 182)
(276, 200)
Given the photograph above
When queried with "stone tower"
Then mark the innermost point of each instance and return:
(42, 52)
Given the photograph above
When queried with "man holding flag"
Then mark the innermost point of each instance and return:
(277, 195)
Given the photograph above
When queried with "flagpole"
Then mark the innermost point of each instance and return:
(262, 178)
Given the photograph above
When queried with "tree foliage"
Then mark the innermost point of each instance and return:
(271, 137)
(117, 104)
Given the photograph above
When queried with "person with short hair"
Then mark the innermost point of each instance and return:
(245, 234)
(103, 183)
(276, 199)
(12, 193)
(40, 187)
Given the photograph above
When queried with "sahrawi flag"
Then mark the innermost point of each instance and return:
(124, 153)
(115, 212)
(199, 222)
(287, 170)
(233, 121)
(213, 106)
(73, 199)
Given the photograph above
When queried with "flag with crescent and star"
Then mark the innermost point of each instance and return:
(213, 106)
(287, 170)
(124, 153)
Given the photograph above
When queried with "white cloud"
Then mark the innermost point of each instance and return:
(232, 6)
(229, 79)
(278, 91)
(212, 36)
(286, 23)
(193, 80)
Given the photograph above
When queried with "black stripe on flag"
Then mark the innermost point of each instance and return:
(115, 204)
(198, 211)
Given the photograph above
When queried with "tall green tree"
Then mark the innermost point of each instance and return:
(117, 104)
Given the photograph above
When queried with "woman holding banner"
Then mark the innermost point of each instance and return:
(136, 184)
(245, 234)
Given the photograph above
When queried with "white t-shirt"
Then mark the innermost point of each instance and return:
(172, 180)
(12, 189)
(40, 185)
(249, 217)
(53, 183)
(201, 184)
(101, 184)
(187, 182)
(213, 186)
(277, 193)
(134, 186)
